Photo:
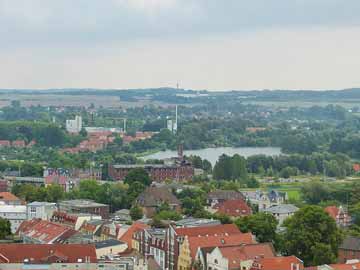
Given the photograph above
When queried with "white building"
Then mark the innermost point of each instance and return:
(42, 210)
(74, 126)
(16, 214)
(282, 212)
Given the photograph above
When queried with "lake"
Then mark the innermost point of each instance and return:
(213, 154)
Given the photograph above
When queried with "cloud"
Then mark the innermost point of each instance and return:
(39, 22)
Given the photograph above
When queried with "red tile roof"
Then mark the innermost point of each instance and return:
(128, 235)
(234, 208)
(7, 196)
(332, 211)
(236, 254)
(39, 254)
(344, 266)
(277, 263)
(5, 143)
(225, 229)
(43, 231)
(196, 242)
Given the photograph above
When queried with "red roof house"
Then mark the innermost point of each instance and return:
(340, 215)
(278, 263)
(9, 198)
(47, 254)
(44, 232)
(233, 208)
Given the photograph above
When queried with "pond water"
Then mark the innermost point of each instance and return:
(213, 154)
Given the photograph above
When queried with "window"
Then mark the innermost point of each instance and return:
(216, 261)
(33, 209)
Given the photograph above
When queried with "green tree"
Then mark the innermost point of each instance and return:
(312, 235)
(136, 212)
(5, 228)
(138, 175)
(262, 225)
(314, 192)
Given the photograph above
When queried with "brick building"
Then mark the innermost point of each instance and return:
(349, 249)
(85, 206)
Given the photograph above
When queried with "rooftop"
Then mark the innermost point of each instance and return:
(108, 243)
(44, 254)
(282, 209)
(222, 229)
(7, 196)
(81, 203)
(351, 243)
(196, 222)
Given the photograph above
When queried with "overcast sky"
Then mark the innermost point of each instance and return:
(202, 44)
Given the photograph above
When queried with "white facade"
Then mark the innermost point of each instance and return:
(74, 126)
(42, 210)
(16, 214)
(215, 260)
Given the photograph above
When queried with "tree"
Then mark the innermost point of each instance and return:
(314, 192)
(312, 235)
(54, 193)
(138, 175)
(5, 228)
(136, 212)
(262, 225)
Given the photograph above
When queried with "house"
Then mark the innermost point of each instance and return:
(175, 236)
(278, 263)
(127, 237)
(340, 215)
(233, 208)
(153, 197)
(265, 200)
(190, 245)
(58, 176)
(40, 210)
(3, 185)
(109, 247)
(38, 231)
(16, 214)
(18, 143)
(5, 143)
(38, 254)
(282, 212)
(349, 249)
(122, 215)
(72, 220)
(235, 257)
(151, 242)
(85, 206)
(219, 196)
(91, 227)
(10, 199)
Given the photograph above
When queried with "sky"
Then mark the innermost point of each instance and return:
(200, 44)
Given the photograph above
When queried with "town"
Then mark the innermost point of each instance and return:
(179, 135)
(75, 194)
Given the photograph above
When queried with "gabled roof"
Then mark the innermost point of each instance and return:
(351, 243)
(226, 195)
(222, 229)
(196, 242)
(44, 231)
(234, 208)
(7, 196)
(277, 263)
(238, 253)
(43, 254)
(127, 237)
(282, 209)
(108, 243)
(332, 211)
(153, 196)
